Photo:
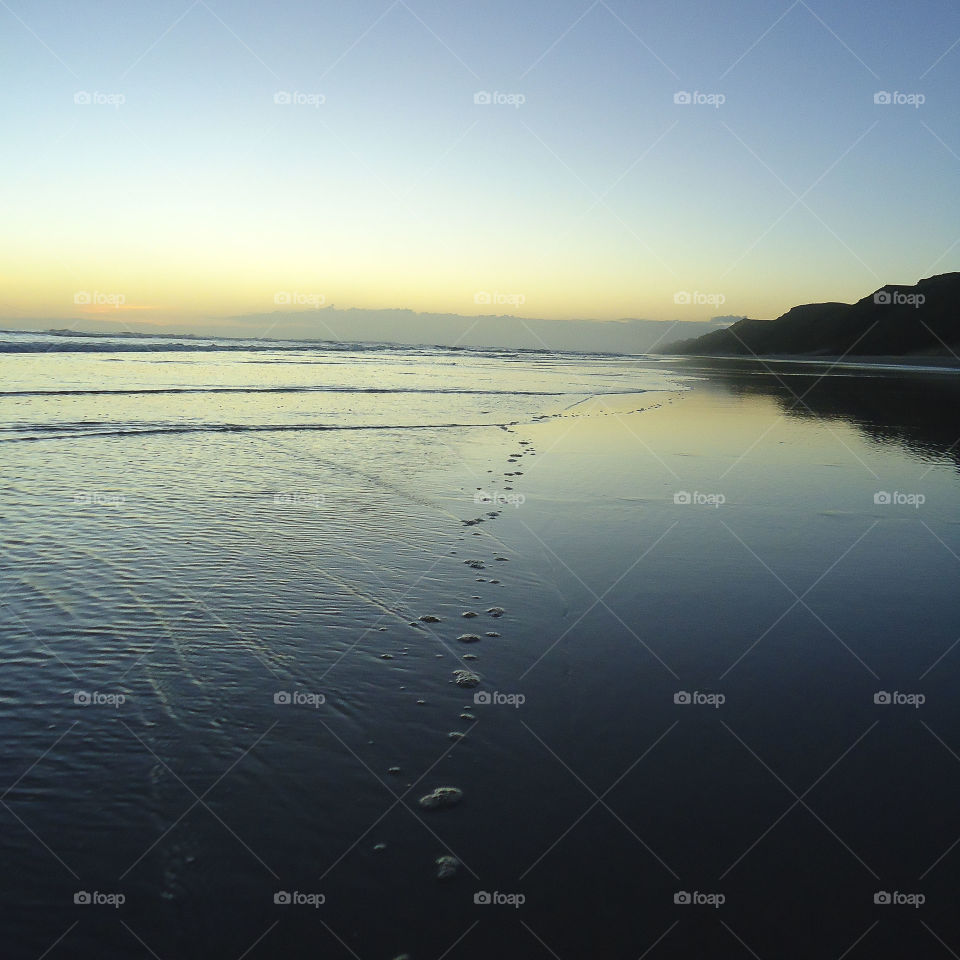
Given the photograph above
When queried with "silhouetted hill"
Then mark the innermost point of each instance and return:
(896, 320)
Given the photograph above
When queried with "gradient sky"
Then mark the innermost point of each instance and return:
(599, 196)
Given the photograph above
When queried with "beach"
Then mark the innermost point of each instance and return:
(680, 633)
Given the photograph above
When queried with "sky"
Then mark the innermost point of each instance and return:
(190, 162)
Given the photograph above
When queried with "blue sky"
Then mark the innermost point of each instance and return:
(597, 196)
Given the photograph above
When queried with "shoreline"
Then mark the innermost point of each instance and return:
(945, 364)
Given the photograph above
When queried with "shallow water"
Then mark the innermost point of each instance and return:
(238, 530)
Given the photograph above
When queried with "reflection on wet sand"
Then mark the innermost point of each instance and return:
(918, 410)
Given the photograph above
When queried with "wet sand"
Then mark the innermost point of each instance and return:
(684, 605)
